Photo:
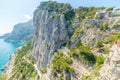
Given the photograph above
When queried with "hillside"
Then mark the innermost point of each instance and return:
(70, 44)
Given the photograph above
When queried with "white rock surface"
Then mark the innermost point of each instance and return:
(111, 68)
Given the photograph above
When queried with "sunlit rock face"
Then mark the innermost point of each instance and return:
(111, 68)
(52, 31)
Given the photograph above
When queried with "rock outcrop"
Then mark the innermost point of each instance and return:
(52, 30)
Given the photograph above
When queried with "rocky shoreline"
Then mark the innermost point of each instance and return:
(8, 67)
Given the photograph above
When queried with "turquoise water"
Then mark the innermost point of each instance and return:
(6, 49)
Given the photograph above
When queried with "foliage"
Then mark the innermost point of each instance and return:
(61, 63)
(90, 26)
(68, 43)
(59, 8)
(31, 59)
(77, 31)
(78, 43)
(95, 72)
(116, 25)
(110, 9)
(89, 12)
(113, 38)
(22, 69)
(104, 26)
(83, 53)
(99, 43)
(22, 52)
(43, 70)
(56, 16)
(104, 50)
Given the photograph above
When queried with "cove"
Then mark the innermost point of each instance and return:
(6, 49)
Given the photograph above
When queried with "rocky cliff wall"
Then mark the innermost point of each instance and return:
(51, 32)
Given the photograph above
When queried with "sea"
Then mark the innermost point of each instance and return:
(7, 49)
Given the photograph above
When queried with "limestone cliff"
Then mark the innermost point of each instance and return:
(52, 30)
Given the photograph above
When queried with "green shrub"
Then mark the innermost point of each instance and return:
(100, 60)
(78, 43)
(116, 25)
(110, 9)
(43, 70)
(68, 43)
(90, 26)
(104, 26)
(84, 54)
(77, 31)
(104, 50)
(61, 63)
(56, 16)
(88, 12)
(95, 72)
(99, 43)
(113, 38)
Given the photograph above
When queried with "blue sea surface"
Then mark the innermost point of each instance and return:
(6, 49)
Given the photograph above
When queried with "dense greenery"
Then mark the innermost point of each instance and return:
(60, 63)
(99, 43)
(23, 70)
(83, 53)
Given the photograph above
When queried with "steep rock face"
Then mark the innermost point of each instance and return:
(21, 32)
(51, 32)
(111, 68)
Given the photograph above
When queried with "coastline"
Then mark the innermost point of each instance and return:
(7, 69)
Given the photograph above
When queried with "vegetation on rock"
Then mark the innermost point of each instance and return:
(61, 63)
(22, 69)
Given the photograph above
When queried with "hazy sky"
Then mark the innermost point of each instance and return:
(18, 11)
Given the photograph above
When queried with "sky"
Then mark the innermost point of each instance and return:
(13, 12)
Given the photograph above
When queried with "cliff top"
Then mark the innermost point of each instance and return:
(54, 6)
